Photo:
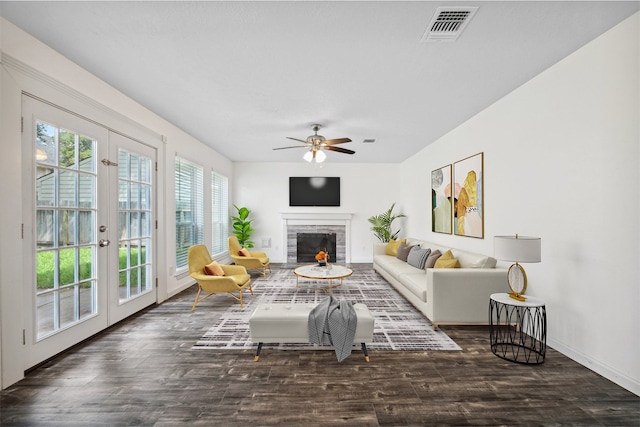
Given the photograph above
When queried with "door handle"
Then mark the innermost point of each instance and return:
(103, 243)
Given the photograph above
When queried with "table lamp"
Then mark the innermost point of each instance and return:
(519, 249)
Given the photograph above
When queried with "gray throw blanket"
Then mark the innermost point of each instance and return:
(333, 322)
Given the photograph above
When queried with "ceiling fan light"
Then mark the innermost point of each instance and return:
(308, 156)
(320, 156)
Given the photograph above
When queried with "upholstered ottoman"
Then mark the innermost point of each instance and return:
(282, 323)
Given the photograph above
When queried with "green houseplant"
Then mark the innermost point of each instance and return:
(382, 225)
(242, 226)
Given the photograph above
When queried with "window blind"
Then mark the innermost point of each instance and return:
(189, 208)
(219, 213)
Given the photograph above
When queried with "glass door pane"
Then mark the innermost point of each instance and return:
(134, 221)
(65, 223)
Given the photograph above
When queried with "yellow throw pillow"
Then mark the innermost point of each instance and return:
(392, 247)
(447, 263)
(244, 252)
(214, 269)
(447, 255)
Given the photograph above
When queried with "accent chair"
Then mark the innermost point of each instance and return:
(252, 260)
(231, 279)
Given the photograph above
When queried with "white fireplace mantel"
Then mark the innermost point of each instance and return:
(292, 219)
(314, 217)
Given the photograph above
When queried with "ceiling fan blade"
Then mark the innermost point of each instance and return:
(295, 146)
(296, 139)
(336, 141)
(340, 150)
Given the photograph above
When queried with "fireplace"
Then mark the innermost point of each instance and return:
(309, 244)
(338, 224)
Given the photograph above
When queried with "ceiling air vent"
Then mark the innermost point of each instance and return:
(447, 23)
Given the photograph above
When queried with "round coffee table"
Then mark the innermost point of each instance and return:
(330, 272)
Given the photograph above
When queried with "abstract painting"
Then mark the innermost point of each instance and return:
(441, 200)
(468, 214)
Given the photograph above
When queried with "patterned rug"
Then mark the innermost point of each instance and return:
(398, 325)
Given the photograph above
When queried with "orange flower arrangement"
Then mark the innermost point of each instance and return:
(322, 255)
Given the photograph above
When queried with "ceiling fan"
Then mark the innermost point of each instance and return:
(316, 144)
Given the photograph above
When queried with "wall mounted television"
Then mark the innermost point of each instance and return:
(314, 191)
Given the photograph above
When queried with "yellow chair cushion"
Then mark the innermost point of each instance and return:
(244, 252)
(393, 245)
(214, 269)
(240, 279)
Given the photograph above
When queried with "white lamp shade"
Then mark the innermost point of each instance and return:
(320, 156)
(517, 248)
(308, 156)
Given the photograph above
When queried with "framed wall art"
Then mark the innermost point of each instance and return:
(441, 201)
(468, 212)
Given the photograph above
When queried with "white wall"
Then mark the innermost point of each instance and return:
(366, 190)
(561, 162)
(28, 65)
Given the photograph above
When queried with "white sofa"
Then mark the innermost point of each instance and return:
(445, 295)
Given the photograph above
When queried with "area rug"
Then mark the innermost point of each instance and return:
(398, 325)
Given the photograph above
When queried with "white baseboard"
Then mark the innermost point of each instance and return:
(598, 367)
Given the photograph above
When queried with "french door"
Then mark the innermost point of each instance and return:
(89, 224)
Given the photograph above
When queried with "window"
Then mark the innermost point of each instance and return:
(219, 213)
(189, 209)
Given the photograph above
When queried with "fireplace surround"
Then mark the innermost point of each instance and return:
(319, 223)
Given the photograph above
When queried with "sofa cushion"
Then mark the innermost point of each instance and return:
(403, 251)
(417, 257)
(394, 267)
(392, 246)
(416, 283)
(473, 260)
(431, 260)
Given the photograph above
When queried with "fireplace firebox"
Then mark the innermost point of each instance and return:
(309, 244)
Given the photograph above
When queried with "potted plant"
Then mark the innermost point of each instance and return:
(382, 225)
(242, 227)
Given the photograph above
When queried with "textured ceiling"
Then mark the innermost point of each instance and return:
(242, 76)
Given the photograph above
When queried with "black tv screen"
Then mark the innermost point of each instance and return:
(314, 191)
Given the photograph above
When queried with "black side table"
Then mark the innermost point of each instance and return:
(518, 329)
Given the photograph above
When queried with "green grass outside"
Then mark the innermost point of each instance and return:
(45, 267)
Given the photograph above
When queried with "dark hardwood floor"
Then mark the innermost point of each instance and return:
(143, 372)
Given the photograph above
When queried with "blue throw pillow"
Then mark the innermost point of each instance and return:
(417, 257)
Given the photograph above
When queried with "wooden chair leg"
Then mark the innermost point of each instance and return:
(196, 301)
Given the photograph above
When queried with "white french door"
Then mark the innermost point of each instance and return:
(132, 227)
(89, 223)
